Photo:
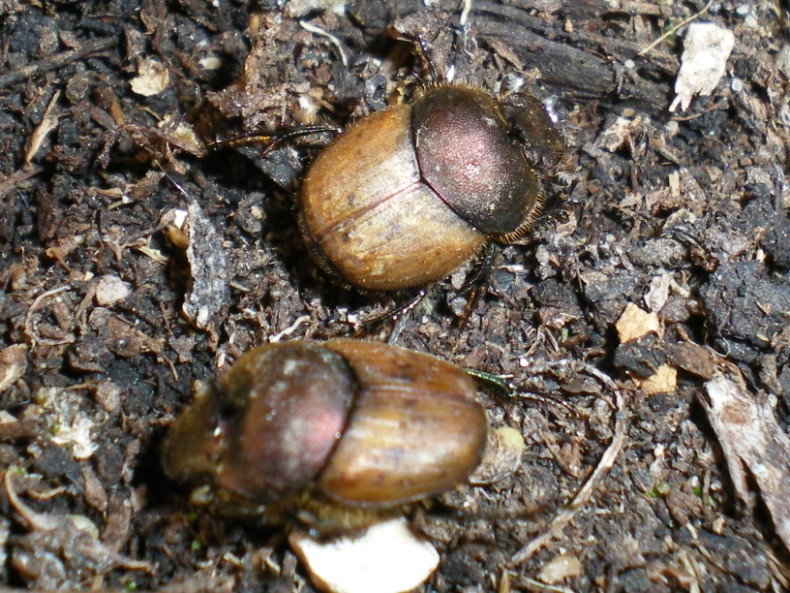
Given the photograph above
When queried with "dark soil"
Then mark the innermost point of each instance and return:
(108, 313)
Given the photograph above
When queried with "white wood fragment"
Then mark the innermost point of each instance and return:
(71, 425)
(706, 49)
(387, 558)
(664, 380)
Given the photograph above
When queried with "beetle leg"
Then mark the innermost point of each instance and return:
(481, 271)
(421, 45)
(476, 284)
(424, 52)
(275, 139)
(397, 315)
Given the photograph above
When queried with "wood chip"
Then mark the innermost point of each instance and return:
(635, 323)
(664, 380)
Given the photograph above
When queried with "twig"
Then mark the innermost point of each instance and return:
(585, 492)
(29, 330)
(675, 28)
(48, 123)
(465, 12)
(538, 586)
(57, 61)
(15, 179)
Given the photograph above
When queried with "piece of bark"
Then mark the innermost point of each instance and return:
(754, 446)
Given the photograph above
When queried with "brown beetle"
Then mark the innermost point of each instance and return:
(334, 434)
(408, 194)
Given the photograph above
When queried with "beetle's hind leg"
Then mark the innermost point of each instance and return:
(397, 315)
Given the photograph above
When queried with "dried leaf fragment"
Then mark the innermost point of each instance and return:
(693, 359)
(658, 294)
(59, 552)
(121, 337)
(618, 134)
(48, 123)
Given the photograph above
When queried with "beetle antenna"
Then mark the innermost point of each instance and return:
(175, 183)
(547, 398)
(494, 385)
(464, 20)
(460, 37)
(482, 270)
